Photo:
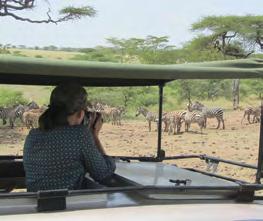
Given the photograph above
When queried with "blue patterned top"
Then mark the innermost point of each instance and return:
(60, 158)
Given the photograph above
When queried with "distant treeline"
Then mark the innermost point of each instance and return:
(45, 48)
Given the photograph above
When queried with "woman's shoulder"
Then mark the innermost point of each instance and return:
(72, 129)
(76, 129)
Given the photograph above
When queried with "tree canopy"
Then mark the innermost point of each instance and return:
(12, 8)
(237, 36)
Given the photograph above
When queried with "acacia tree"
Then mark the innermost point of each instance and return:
(12, 8)
(149, 50)
(234, 36)
(127, 48)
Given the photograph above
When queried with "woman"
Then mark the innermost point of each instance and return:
(59, 153)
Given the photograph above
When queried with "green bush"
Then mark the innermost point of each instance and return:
(10, 98)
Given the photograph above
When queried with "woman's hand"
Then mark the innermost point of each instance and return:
(92, 118)
(95, 123)
(98, 124)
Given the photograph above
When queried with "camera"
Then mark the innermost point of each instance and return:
(89, 115)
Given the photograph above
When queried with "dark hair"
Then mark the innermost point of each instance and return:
(66, 99)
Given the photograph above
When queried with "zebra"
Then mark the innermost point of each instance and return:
(149, 116)
(213, 112)
(106, 112)
(4, 113)
(11, 113)
(15, 113)
(257, 114)
(194, 117)
(173, 121)
(116, 114)
(255, 111)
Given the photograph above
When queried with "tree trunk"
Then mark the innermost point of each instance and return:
(235, 93)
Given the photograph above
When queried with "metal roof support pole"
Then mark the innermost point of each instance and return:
(260, 151)
(160, 152)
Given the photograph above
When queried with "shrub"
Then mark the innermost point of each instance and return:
(10, 97)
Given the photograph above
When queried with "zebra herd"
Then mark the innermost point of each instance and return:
(109, 113)
(196, 113)
(28, 114)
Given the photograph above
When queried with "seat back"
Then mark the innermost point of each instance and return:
(12, 174)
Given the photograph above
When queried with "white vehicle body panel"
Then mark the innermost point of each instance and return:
(222, 212)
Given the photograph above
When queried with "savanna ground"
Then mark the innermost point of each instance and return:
(237, 142)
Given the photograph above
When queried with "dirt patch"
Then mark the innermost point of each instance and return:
(237, 142)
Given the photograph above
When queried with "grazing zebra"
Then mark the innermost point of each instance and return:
(247, 112)
(194, 117)
(16, 112)
(173, 121)
(255, 111)
(11, 113)
(214, 112)
(149, 116)
(116, 114)
(4, 113)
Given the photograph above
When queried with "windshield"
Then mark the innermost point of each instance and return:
(131, 116)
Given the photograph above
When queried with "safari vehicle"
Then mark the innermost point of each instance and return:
(144, 188)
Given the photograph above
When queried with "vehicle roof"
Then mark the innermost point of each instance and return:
(39, 71)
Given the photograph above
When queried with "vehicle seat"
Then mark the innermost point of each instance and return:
(12, 174)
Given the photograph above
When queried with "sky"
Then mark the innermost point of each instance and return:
(121, 19)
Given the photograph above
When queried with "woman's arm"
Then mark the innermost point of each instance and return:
(95, 131)
(97, 163)
(98, 144)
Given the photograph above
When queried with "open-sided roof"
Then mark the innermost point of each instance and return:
(38, 71)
